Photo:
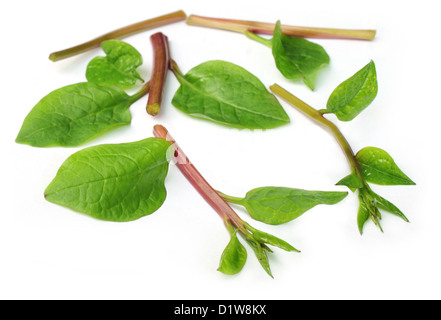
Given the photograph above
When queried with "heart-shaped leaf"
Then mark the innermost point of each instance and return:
(113, 182)
(118, 67)
(355, 94)
(298, 58)
(74, 114)
(378, 167)
(228, 94)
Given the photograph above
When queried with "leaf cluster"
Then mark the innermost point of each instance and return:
(370, 164)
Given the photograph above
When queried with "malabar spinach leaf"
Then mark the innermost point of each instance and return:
(113, 182)
(370, 206)
(273, 240)
(260, 250)
(363, 214)
(298, 58)
(277, 205)
(378, 167)
(228, 94)
(118, 67)
(74, 114)
(351, 181)
(355, 94)
(233, 257)
(388, 206)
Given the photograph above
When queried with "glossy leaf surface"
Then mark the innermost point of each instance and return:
(74, 114)
(113, 182)
(261, 254)
(351, 181)
(370, 206)
(228, 94)
(388, 206)
(363, 214)
(355, 94)
(273, 240)
(298, 58)
(118, 67)
(233, 257)
(378, 167)
(277, 205)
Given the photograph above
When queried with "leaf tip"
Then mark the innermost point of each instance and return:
(18, 139)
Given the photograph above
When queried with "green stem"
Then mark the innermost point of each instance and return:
(141, 93)
(119, 34)
(175, 69)
(268, 28)
(253, 36)
(231, 199)
(318, 116)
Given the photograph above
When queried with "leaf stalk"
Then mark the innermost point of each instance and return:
(141, 93)
(235, 200)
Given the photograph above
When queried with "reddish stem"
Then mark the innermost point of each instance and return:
(119, 34)
(268, 28)
(161, 61)
(200, 184)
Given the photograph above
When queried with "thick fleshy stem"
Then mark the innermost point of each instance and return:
(317, 115)
(161, 61)
(242, 26)
(200, 184)
(119, 34)
(258, 240)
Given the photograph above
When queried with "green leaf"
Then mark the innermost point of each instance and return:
(273, 240)
(74, 114)
(363, 214)
(298, 58)
(261, 255)
(118, 67)
(351, 181)
(277, 205)
(113, 182)
(233, 257)
(388, 206)
(378, 167)
(355, 94)
(228, 94)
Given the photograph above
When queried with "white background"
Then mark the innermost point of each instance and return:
(49, 252)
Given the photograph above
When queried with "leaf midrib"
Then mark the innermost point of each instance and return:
(217, 98)
(74, 120)
(105, 179)
(385, 173)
